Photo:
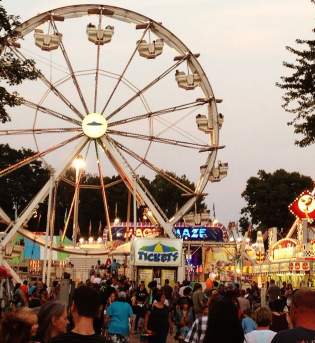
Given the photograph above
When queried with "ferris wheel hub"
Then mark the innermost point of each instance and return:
(94, 125)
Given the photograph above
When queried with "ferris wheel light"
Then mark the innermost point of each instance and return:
(81, 240)
(91, 239)
(116, 221)
(99, 240)
(79, 163)
(231, 239)
(239, 239)
(238, 271)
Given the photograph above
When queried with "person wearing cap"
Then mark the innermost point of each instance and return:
(119, 315)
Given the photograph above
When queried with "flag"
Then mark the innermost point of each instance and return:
(90, 229)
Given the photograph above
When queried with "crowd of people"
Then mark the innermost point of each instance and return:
(108, 308)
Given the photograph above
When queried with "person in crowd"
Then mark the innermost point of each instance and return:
(119, 313)
(243, 302)
(283, 289)
(16, 328)
(183, 318)
(141, 301)
(153, 291)
(186, 298)
(262, 334)
(198, 330)
(52, 321)
(249, 296)
(273, 292)
(97, 279)
(289, 290)
(167, 290)
(279, 320)
(114, 267)
(54, 291)
(185, 284)
(223, 324)
(24, 289)
(197, 299)
(85, 306)
(248, 324)
(158, 322)
(19, 299)
(302, 314)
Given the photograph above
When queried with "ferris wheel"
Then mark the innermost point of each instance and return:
(120, 91)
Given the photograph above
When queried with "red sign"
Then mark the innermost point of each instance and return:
(303, 207)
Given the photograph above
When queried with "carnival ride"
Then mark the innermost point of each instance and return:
(78, 98)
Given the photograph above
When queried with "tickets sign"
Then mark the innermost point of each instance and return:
(157, 252)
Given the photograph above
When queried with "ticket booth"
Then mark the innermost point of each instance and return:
(156, 259)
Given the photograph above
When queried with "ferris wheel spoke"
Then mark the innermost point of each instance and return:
(49, 111)
(38, 131)
(182, 107)
(48, 84)
(148, 86)
(36, 156)
(156, 139)
(97, 62)
(83, 186)
(125, 69)
(129, 174)
(154, 168)
(68, 62)
(105, 202)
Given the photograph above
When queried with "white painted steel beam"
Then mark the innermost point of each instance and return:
(41, 195)
(122, 168)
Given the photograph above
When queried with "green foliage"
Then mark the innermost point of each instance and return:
(20, 186)
(268, 197)
(12, 70)
(299, 87)
(168, 196)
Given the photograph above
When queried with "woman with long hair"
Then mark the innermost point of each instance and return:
(223, 325)
(52, 321)
(157, 322)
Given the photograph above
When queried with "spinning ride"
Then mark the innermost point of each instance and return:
(121, 90)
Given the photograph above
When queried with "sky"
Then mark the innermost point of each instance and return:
(242, 47)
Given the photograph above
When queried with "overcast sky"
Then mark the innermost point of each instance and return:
(242, 46)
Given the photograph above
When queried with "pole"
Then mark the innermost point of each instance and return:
(51, 229)
(134, 206)
(47, 229)
(76, 209)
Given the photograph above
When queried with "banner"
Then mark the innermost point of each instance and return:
(157, 252)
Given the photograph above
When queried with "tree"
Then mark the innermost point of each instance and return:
(169, 196)
(268, 196)
(299, 97)
(19, 187)
(12, 71)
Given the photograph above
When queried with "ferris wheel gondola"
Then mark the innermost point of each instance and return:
(166, 111)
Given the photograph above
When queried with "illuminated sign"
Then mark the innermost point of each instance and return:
(303, 207)
(150, 252)
(94, 125)
(199, 233)
(122, 232)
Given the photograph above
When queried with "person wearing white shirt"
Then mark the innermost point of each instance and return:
(262, 334)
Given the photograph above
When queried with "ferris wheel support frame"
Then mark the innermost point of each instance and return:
(131, 178)
(41, 195)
